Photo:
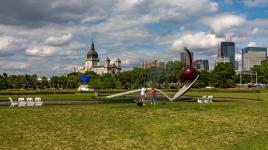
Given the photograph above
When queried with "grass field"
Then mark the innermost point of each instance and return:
(183, 125)
(125, 126)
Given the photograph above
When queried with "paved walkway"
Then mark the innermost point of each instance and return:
(72, 102)
(183, 99)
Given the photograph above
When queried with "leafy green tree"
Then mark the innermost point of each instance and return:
(173, 71)
(204, 79)
(44, 82)
(4, 84)
(156, 76)
(262, 71)
(223, 75)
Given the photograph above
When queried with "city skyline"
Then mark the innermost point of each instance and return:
(52, 37)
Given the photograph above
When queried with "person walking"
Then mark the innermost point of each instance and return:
(143, 94)
(153, 92)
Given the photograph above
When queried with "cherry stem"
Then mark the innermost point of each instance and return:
(190, 56)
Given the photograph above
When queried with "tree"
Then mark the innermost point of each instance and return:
(223, 75)
(204, 79)
(44, 82)
(262, 71)
(173, 71)
(4, 84)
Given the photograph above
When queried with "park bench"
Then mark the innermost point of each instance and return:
(30, 101)
(205, 99)
(21, 102)
(210, 98)
(38, 101)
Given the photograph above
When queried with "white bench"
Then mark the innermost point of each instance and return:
(38, 101)
(202, 99)
(21, 102)
(30, 101)
(210, 98)
(205, 99)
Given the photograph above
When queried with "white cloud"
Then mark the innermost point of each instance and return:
(135, 58)
(46, 51)
(122, 23)
(255, 3)
(187, 5)
(220, 24)
(123, 5)
(14, 65)
(251, 30)
(238, 57)
(90, 19)
(59, 40)
(251, 44)
(168, 11)
(5, 42)
(199, 40)
(254, 31)
(10, 45)
(256, 27)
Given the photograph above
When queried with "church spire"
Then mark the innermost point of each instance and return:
(92, 45)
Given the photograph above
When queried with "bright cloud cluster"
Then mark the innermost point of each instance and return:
(255, 3)
(60, 40)
(195, 41)
(220, 24)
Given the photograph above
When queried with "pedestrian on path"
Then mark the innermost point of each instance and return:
(153, 92)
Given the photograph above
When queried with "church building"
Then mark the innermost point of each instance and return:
(92, 63)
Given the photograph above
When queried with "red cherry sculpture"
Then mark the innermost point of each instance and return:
(189, 73)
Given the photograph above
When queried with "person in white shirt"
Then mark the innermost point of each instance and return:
(143, 94)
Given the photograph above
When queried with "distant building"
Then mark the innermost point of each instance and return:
(222, 60)
(92, 63)
(252, 56)
(201, 65)
(227, 49)
(155, 63)
(236, 66)
(185, 58)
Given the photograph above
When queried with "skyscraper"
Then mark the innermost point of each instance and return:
(252, 56)
(236, 66)
(201, 65)
(228, 50)
(185, 58)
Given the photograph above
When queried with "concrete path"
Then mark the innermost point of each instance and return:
(183, 99)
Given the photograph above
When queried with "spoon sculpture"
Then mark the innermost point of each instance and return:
(188, 73)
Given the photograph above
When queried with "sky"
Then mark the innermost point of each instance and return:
(52, 37)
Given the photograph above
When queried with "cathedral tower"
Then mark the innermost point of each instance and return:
(92, 57)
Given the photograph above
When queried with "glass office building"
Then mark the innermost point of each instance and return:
(252, 56)
(227, 50)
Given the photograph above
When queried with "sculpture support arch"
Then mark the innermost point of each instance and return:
(181, 92)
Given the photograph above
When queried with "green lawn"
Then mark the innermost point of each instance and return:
(239, 125)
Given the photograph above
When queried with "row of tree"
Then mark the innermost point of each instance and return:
(223, 75)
